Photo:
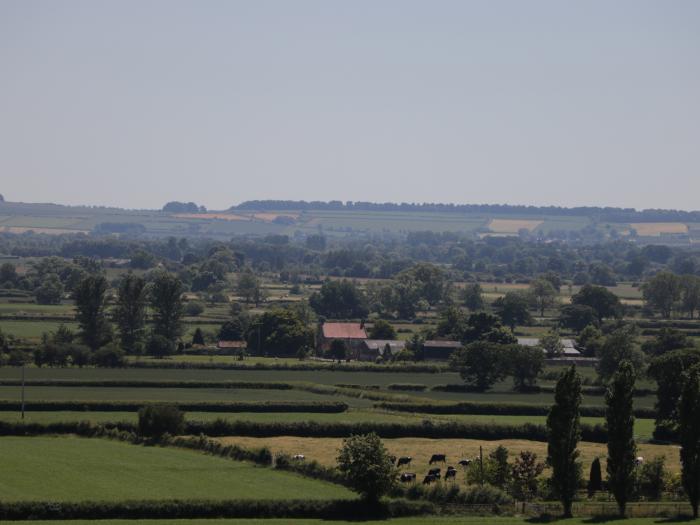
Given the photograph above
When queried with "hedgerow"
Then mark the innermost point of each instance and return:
(331, 407)
(189, 509)
(304, 366)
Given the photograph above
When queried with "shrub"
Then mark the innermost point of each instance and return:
(110, 356)
(156, 420)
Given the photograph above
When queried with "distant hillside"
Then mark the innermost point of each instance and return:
(606, 214)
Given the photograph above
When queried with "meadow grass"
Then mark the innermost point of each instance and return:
(77, 469)
(422, 520)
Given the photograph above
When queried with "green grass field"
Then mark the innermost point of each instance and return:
(426, 520)
(76, 469)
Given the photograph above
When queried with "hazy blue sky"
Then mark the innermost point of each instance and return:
(134, 103)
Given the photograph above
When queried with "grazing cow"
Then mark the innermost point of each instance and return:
(451, 473)
(299, 457)
(437, 458)
(434, 472)
(404, 460)
(465, 462)
(427, 480)
(639, 461)
(407, 477)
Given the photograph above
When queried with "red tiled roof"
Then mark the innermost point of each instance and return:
(344, 331)
(231, 344)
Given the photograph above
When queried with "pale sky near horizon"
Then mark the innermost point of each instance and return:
(137, 102)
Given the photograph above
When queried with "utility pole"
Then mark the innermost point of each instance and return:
(23, 391)
(481, 464)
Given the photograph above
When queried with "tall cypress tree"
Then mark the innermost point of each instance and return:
(563, 426)
(91, 305)
(167, 307)
(622, 449)
(689, 431)
(130, 312)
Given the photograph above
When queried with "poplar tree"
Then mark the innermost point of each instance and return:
(622, 449)
(130, 312)
(564, 433)
(689, 431)
(91, 304)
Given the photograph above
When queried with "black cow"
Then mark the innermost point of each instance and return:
(451, 473)
(465, 462)
(434, 472)
(427, 480)
(407, 477)
(437, 458)
(404, 460)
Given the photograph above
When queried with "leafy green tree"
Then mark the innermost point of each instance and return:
(667, 340)
(577, 317)
(689, 432)
(381, 329)
(159, 346)
(472, 297)
(279, 332)
(618, 346)
(662, 291)
(50, 291)
(622, 449)
(551, 344)
(130, 312)
(595, 478)
(512, 308)
(167, 306)
(690, 294)
(8, 275)
(526, 364)
(91, 306)
(232, 330)
(430, 281)
(525, 471)
(652, 478)
(367, 466)
(544, 295)
(590, 341)
(605, 303)
(481, 364)
(109, 356)
(249, 288)
(500, 471)
(339, 300)
(564, 429)
(668, 371)
(157, 420)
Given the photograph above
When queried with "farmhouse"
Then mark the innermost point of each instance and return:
(569, 348)
(231, 346)
(353, 334)
(374, 349)
(439, 350)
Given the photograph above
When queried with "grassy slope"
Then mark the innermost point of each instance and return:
(74, 469)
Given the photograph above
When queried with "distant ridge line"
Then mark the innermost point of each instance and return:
(608, 214)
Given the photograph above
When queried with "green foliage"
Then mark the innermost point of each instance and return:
(280, 332)
(526, 364)
(590, 340)
(543, 294)
(472, 297)
(367, 466)
(595, 478)
(157, 420)
(513, 310)
(130, 312)
(662, 291)
(618, 346)
(525, 471)
(159, 346)
(338, 350)
(622, 449)
(689, 433)
(577, 317)
(652, 478)
(50, 291)
(668, 370)
(563, 425)
(551, 344)
(91, 305)
(381, 329)
(109, 356)
(249, 288)
(605, 303)
(339, 300)
(167, 306)
(481, 364)
(198, 337)
(667, 340)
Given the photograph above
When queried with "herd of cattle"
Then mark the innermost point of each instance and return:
(434, 474)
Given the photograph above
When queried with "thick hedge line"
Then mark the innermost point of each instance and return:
(498, 409)
(147, 383)
(306, 366)
(81, 428)
(325, 407)
(188, 509)
(426, 429)
(586, 390)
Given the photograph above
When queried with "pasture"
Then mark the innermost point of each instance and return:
(77, 469)
(325, 450)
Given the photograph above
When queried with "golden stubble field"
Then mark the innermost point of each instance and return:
(325, 450)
